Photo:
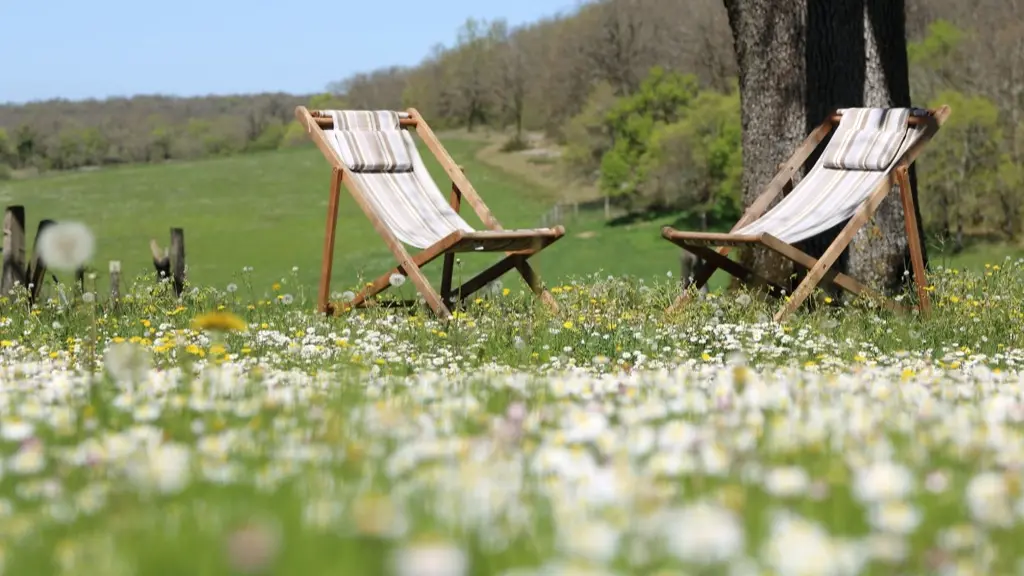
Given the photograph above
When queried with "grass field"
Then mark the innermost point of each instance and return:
(227, 432)
(267, 211)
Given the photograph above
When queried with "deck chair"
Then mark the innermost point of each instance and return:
(373, 154)
(871, 150)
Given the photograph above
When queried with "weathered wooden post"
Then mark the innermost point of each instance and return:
(170, 263)
(14, 249)
(178, 260)
(115, 282)
(36, 272)
(688, 266)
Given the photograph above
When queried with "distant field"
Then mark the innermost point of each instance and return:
(268, 211)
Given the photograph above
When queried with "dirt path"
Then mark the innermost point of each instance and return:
(536, 166)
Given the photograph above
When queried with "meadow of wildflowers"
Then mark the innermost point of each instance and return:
(235, 431)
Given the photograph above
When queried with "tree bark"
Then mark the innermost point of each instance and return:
(768, 36)
(798, 60)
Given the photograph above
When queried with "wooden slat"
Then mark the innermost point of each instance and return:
(706, 238)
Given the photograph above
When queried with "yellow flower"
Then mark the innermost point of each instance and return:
(828, 299)
(275, 287)
(505, 291)
(567, 325)
(223, 321)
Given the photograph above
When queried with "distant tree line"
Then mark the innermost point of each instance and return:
(642, 93)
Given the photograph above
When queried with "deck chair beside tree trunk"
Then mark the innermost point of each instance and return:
(374, 156)
(870, 152)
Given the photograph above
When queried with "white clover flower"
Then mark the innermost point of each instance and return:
(594, 541)
(66, 246)
(894, 517)
(164, 468)
(28, 460)
(16, 429)
(786, 481)
(988, 499)
(798, 547)
(882, 481)
(704, 533)
(430, 559)
(396, 280)
(127, 363)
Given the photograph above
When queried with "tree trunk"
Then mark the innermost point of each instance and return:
(768, 37)
(798, 60)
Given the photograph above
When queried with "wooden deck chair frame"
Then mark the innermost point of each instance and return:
(518, 245)
(819, 269)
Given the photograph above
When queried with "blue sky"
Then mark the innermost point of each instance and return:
(79, 49)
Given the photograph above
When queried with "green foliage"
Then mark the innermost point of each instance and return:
(269, 139)
(5, 172)
(937, 46)
(695, 164)
(961, 169)
(295, 136)
(662, 99)
(587, 136)
(7, 152)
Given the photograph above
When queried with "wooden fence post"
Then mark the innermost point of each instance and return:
(178, 260)
(36, 272)
(115, 282)
(688, 267)
(14, 249)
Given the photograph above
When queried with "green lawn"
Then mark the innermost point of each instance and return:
(267, 211)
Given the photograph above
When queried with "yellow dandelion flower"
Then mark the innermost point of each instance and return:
(223, 321)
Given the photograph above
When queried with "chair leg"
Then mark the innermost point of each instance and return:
(448, 269)
(411, 271)
(327, 259)
(913, 238)
(533, 281)
(705, 270)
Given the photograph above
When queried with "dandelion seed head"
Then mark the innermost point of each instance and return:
(66, 246)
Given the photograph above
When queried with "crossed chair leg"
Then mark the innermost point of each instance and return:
(819, 269)
(442, 303)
